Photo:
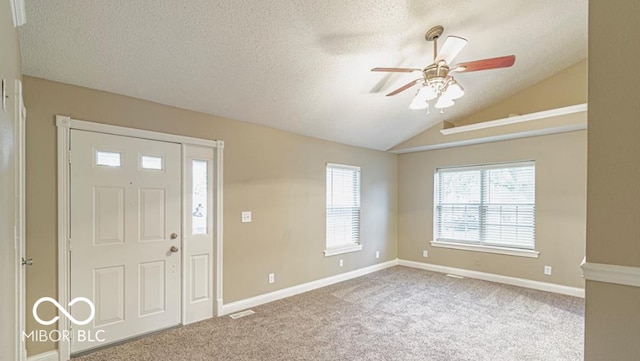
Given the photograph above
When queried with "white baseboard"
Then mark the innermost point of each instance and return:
(305, 287)
(46, 356)
(521, 282)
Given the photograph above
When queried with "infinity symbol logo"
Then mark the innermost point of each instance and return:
(61, 309)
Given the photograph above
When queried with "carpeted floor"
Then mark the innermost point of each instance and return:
(399, 314)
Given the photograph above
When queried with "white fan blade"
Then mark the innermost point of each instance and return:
(451, 48)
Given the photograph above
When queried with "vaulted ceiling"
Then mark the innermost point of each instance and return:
(300, 66)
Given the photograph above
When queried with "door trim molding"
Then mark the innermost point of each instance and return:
(67, 122)
(64, 126)
(20, 220)
(63, 129)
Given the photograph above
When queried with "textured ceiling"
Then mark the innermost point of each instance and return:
(300, 66)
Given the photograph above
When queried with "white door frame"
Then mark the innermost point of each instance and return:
(64, 125)
(20, 220)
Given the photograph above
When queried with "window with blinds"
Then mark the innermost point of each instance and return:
(343, 205)
(488, 205)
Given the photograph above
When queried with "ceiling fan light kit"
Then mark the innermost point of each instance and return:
(444, 102)
(437, 83)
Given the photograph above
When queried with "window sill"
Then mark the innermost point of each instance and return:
(343, 249)
(489, 249)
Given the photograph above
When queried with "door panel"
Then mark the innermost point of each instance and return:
(108, 208)
(152, 215)
(152, 287)
(109, 295)
(200, 271)
(124, 210)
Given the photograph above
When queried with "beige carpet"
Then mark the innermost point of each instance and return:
(396, 314)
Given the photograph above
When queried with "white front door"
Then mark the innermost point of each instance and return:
(125, 236)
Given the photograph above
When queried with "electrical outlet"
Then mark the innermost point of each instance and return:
(246, 216)
(272, 277)
(547, 270)
(377, 254)
(425, 253)
(341, 263)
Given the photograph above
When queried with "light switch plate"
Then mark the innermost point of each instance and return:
(246, 216)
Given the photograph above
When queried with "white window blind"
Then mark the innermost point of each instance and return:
(492, 205)
(343, 205)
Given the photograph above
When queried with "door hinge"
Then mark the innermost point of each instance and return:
(69, 245)
(69, 155)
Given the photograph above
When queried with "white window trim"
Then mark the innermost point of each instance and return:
(530, 253)
(479, 247)
(352, 247)
(498, 165)
(344, 166)
(342, 249)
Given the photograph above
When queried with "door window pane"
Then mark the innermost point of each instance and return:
(150, 162)
(199, 196)
(108, 159)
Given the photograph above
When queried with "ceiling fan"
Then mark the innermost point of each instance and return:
(437, 83)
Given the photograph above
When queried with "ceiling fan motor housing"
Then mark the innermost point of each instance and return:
(436, 74)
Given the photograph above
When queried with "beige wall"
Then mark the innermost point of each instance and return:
(613, 200)
(567, 87)
(10, 71)
(277, 175)
(560, 206)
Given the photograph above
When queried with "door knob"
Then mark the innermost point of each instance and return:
(174, 249)
(28, 262)
(173, 235)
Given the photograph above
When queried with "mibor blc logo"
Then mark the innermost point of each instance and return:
(61, 309)
(65, 335)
